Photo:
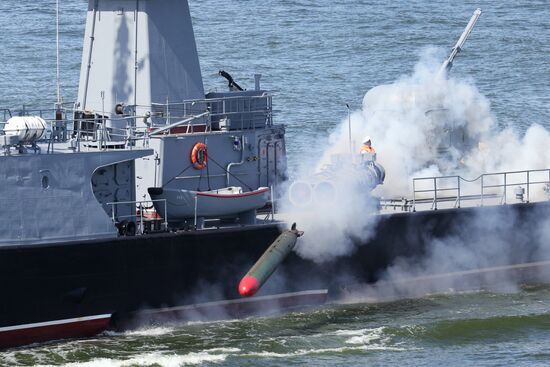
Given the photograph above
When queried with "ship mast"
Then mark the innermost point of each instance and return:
(58, 75)
(139, 54)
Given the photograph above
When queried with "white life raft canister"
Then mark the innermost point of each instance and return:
(26, 128)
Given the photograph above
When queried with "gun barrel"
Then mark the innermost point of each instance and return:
(460, 43)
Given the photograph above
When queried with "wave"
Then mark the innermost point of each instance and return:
(152, 359)
(147, 331)
(477, 329)
(304, 352)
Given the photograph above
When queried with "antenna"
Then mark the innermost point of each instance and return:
(349, 129)
(58, 77)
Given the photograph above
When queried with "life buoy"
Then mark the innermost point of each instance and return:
(199, 156)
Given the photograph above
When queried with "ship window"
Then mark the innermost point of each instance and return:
(45, 182)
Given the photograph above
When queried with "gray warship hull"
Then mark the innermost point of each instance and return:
(76, 289)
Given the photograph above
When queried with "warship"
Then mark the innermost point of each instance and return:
(147, 198)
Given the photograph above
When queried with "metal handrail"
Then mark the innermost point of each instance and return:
(140, 202)
(178, 123)
(528, 182)
(223, 104)
(206, 100)
(188, 107)
(67, 126)
(6, 112)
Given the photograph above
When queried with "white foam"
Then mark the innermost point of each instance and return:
(151, 331)
(164, 360)
(211, 322)
(368, 336)
(301, 352)
(352, 332)
(304, 352)
(223, 350)
(8, 359)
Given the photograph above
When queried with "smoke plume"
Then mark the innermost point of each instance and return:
(421, 125)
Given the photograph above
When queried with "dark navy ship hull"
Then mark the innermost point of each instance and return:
(78, 289)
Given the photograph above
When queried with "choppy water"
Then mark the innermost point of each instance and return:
(318, 56)
(454, 330)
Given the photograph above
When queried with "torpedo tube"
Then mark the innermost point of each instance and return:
(269, 262)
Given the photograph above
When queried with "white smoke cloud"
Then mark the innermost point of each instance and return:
(421, 125)
(337, 211)
(411, 119)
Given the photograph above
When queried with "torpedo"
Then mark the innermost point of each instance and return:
(269, 262)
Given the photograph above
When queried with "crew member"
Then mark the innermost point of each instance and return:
(367, 148)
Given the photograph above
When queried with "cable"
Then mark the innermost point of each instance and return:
(173, 178)
(208, 175)
(200, 179)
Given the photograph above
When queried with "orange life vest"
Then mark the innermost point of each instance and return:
(367, 149)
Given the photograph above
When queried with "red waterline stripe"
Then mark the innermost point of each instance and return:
(233, 195)
(12, 336)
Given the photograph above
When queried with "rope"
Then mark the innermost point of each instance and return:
(173, 178)
(200, 179)
(208, 176)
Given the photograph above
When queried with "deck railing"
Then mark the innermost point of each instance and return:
(461, 188)
(139, 206)
(244, 112)
(231, 112)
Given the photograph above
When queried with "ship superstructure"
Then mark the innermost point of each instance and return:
(140, 71)
(141, 96)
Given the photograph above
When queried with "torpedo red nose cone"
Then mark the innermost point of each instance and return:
(248, 286)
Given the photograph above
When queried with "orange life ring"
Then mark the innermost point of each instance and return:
(199, 156)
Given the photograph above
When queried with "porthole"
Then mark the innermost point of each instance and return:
(45, 182)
